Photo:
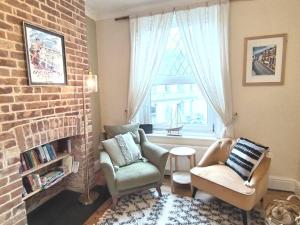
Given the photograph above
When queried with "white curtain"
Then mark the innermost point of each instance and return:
(205, 35)
(149, 37)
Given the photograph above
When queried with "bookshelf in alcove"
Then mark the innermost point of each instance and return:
(45, 165)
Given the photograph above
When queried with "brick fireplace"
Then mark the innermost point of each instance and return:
(35, 115)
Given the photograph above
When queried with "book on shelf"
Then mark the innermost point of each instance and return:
(51, 177)
(42, 154)
(37, 156)
(67, 164)
(46, 153)
(31, 183)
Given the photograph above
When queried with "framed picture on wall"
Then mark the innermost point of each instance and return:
(264, 60)
(45, 56)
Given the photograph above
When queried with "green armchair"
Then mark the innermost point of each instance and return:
(137, 176)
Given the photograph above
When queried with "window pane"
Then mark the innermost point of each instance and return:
(181, 99)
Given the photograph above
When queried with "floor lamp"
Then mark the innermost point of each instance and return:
(89, 85)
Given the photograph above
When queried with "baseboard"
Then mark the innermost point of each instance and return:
(284, 184)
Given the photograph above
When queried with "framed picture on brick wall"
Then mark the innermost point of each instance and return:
(264, 60)
(45, 56)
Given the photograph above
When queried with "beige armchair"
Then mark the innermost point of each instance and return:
(214, 177)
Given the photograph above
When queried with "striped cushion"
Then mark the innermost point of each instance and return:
(245, 157)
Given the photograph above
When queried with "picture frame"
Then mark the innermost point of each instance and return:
(264, 60)
(45, 56)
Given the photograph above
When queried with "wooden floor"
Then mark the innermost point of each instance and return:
(184, 190)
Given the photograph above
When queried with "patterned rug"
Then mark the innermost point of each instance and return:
(146, 208)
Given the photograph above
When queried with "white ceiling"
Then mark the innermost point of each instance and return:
(107, 9)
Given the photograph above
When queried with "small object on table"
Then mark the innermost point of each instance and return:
(283, 212)
(181, 177)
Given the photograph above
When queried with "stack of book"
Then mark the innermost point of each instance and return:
(31, 183)
(51, 178)
(39, 155)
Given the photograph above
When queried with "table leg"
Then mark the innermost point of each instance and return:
(171, 175)
(191, 158)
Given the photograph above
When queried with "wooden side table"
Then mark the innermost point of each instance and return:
(181, 177)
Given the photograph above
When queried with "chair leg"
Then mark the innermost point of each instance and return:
(246, 216)
(159, 191)
(114, 201)
(194, 192)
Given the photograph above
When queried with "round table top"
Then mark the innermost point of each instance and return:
(182, 151)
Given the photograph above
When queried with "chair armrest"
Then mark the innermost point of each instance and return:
(259, 173)
(218, 151)
(156, 155)
(109, 173)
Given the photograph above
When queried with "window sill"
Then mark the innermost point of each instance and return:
(203, 140)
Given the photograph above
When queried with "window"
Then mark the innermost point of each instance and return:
(175, 98)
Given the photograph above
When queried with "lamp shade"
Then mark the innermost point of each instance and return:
(91, 83)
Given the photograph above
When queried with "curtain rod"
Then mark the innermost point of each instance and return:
(127, 17)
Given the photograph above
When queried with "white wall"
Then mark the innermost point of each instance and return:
(113, 52)
(267, 114)
(93, 68)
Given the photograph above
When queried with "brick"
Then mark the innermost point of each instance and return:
(29, 142)
(37, 105)
(20, 138)
(27, 129)
(27, 98)
(33, 3)
(62, 109)
(67, 18)
(7, 117)
(16, 176)
(10, 144)
(19, 47)
(14, 37)
(3, 53)
(64, 10)
(51, 89)
(4, 199)
(6, 99)
(9, 205)
(17, 4)
(12, 186)
(4, 72)
(50, 97)
(38, 12)
(40, 126)
(5, 26)
(28, 114)
(51, 18)
(13, 19)
(5, 90)
(8, 81)
(6, 136)
(17, 55)
(5, 8)
(3, 181)
(67, 5)
(4, 108)
(46, 112)
(16, 193)
(8, 63)
(50, 3)
(34, 128)
(7, 126)
(17, 107)
(49, 10)
(2, 34)
(18, 73)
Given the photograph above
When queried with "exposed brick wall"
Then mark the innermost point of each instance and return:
(33, 115)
